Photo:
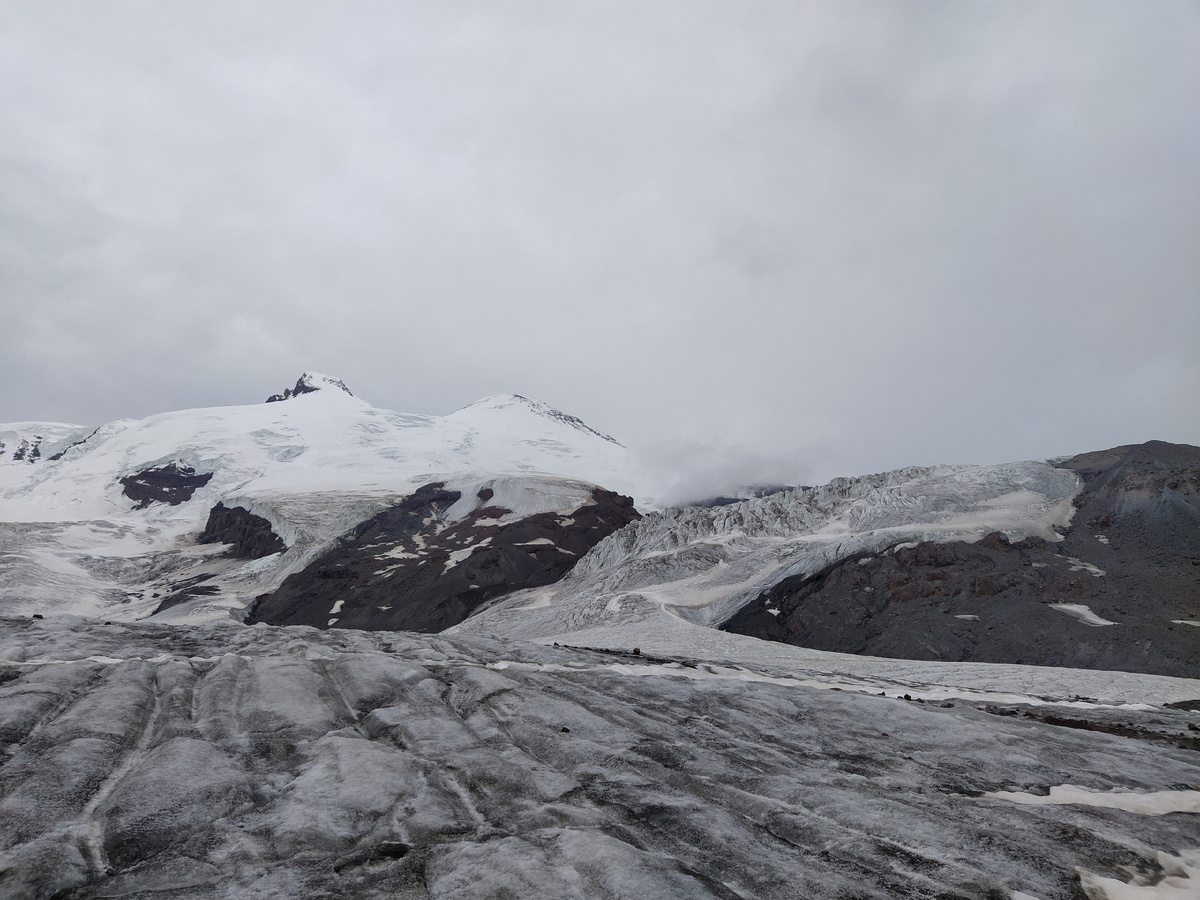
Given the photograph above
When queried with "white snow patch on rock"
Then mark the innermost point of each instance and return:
(1078, 565)
(1083, 613)
(457, 556)
(522, 496)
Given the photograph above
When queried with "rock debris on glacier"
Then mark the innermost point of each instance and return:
(225, 761)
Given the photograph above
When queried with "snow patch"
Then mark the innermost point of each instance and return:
(1155, 803)
(1180, 881)
(522, 496)
(400, 552)
(1082, 613)
(540, 600)
(1078, 565)
(457, 556)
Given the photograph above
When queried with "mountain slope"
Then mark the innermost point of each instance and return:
(702, 564)
(1119, 591)
(420, 567)
(108, 524)
(952, 563)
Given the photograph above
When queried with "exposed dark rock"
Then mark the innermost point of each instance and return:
(28, 451)
(1138, 522)
(251, 536)
(289, 393)
(408, 569)
(1185, 704)
(1150, 726)
(63, 452)
(172, 483)
(304, 385)
(187, 589)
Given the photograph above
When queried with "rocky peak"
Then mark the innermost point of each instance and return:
(309, 383)
(28, 452)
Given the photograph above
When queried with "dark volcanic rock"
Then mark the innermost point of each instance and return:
(28, 452)
(251, 536)
(304, 385)
(172, 483)
(1137, 523)
(409, 569)
(185, 590)
(63, 452)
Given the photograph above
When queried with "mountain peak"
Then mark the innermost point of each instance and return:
(537, 407)
(309, 383)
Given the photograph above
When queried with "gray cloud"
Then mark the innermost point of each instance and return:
(801, 240)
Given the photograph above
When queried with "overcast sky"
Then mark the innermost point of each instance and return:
(768, 240)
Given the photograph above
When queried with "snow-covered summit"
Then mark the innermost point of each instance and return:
(313, 467)
(310, 383)
(331, 440)
(506, 403)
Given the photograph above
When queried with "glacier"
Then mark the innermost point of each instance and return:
(221, 760)
(700, 565)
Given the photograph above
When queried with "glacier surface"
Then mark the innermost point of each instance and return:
(223, 761)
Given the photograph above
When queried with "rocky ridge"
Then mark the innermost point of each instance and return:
(1118, 591)
(415, 567)
(310, 383)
